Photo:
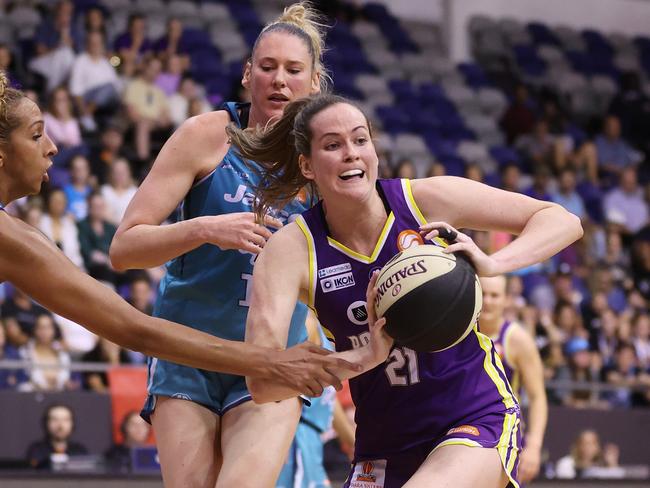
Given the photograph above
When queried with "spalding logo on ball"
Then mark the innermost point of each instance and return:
(431, 300)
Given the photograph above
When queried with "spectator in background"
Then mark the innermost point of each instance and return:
(632, 106)
(9, 378)
(614, 154)
(50, 363)
(405, 169)
(538, 146)
(172, 44)
(95, 236)
(585, 453)
(93, 82)
(147, 107)
(436, 169)
(602, 282)
(93, 20)
(539, 188)
(179, 102)
(133, 44)
(119, 191)
(566, 194)
(640, 258)
(63, 127)
(641, 340)
(105, 352)
(60, 227)
(135, 433)
(519, 118)
(624, 373)
(54, 45)
(141, 294)
(19, 314)
(109, 149)
(11, 69)
(474, 172)
(625, 203)
(141, 297)
(510, 177)
(169, 78)
(56, 446)
(80, 186)
(581, 366)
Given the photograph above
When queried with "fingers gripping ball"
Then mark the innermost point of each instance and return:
(431, 300)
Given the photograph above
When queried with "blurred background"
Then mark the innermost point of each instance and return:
(551, 99)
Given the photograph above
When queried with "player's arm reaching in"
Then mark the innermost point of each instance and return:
(280, 279)
(188, 155)
(525, 358)
(543, 228)
(37, 267)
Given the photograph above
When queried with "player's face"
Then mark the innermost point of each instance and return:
(343, 160)
(279, 72)
(494, 297)
(27, 155)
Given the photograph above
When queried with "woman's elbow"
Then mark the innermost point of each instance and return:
(575, 226)
(117, 255)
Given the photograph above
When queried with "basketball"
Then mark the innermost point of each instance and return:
(431, 300)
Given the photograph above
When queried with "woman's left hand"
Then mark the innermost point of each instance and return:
(484, 264)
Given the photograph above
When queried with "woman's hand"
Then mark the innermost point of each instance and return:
(380, 342)
(484, 264)
(237, 231)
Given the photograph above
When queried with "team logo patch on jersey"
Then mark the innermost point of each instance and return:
(332, 270)
(369, 474)
(464, 429)
(409, 238)
(358, 313)
(182, 396)
(337, 282)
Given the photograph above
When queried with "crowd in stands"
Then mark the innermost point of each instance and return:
(112, 92)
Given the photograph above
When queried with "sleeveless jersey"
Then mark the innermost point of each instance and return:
(413, 397)
(208, 288)
(500, 345)
(318, 415)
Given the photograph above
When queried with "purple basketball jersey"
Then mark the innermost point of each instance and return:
(501, 347)
(413, 397)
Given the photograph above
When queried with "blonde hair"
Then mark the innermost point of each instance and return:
(9, 99)
(276, 150)
(305, 22)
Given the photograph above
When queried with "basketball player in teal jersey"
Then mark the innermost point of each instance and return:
(35, 265)
(423, 419)
(523, 367)
(207, 430)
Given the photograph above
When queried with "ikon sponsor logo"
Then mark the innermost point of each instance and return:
(332, 270)
(337, 282)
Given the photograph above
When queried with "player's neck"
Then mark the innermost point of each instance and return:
(356, 226)
(491, 327)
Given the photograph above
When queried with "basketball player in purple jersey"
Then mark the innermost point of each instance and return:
(523, 367)
(423, 419)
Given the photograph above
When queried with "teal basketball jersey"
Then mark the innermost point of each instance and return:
(209, 289)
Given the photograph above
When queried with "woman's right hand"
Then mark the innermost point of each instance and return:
(237, 231)
(380, 342)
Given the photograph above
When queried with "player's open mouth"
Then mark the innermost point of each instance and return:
(352, 173)
(278, 97)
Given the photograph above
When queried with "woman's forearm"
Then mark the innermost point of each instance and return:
(547, 232)
(148, 246)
